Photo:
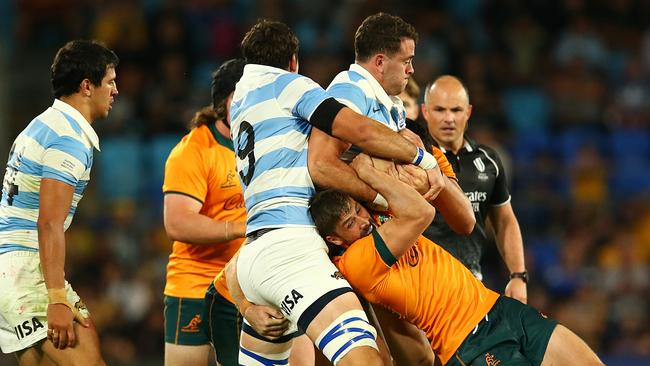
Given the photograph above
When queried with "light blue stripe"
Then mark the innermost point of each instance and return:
(278, 217)
(308, 103)
(355, 76)
(59, 175)
(73, 123)
(27, 166)
(290, 192)
(256, 96)
(15, 223)
(48, 138)
(280, 126)
(263, 360)
(351, 92)
(278, 159)
(6, 248)
(25, 200)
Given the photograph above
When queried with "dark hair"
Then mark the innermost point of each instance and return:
(269, 43)
(79, 60)
(381, 33)
(326, 208)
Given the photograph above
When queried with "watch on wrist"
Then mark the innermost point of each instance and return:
(523, 275)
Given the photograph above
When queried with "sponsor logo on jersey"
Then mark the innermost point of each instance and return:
(413, 256)
(234, 202)
(27, 327)
(337, 275)
(193, 325)
(290, 301)
(476, 196)
(480, 166)
(230, 179)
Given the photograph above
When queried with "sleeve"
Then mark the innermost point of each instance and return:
(350, 95)
(444, 164)
(186, 173)
(363, 266)
(500, 192)
(66, 160)
(300, 96)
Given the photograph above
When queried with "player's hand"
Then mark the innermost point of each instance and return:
(516, 289)
(436, 183)
(414, 176)
(60, 327)
(412, 137)
(267, 321)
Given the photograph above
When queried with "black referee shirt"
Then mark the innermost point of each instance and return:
(480, 174)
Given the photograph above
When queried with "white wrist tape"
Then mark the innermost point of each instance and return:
(380, 201)
(424, 160)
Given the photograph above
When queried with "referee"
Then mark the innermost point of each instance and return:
(480, 174)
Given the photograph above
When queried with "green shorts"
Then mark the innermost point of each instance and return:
(185, 321)
(223, 327)
(512, 333)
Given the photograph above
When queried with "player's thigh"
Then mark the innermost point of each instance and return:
(180, 355)
(223, 327)
(302, 352)
(85, 352)
(566, 348)
(408, 345)
(254, 350)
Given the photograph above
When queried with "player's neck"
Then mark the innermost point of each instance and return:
(453, 146)
(222, 129)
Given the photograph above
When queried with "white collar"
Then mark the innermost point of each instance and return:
(257, 68)
(466, 145)
(379, 91)
(88, 130)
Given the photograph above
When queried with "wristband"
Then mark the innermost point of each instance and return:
(380, 201)
(522, 275)
(424, 160)
(58, 296)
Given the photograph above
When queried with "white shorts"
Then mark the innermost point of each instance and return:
(289, 269)
(23, 301)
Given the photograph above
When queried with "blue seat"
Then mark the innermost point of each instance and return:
(526, 109)
(119, 166)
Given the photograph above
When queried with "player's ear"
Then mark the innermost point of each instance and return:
(85, 87)
(293, 63)
(333, 239)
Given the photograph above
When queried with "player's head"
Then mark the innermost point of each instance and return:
(271, 43)
(410, 97)
(224, 80)
(87, 68)
(385, 45)
(340, 219)
(446, 109)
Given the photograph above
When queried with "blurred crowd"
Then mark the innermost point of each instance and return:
(560, 88)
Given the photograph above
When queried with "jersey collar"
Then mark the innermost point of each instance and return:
(219, 137)
(469, 146)
(85, 126)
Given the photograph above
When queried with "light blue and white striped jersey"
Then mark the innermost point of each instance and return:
(270, 112)
(58, 144)
(359, 90)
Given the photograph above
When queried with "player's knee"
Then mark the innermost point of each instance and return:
(350, 331)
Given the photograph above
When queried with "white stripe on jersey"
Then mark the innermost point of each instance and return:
(277, 178)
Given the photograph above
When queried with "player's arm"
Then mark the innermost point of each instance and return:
(267, 321)
(411, 213)
(374, 138)
(327, 170)
(455, 208)
(55, 199)
(511, 247)
(183, 222)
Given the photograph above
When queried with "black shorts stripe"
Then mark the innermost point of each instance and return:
(284, 339)
(310, 313)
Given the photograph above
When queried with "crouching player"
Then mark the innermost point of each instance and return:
(394, 266)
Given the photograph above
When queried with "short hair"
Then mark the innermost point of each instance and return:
(269, 43)
(79, 60)
(326, 208)
(224, 80)
(427, 90)
(412, 89)
(381, 33)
